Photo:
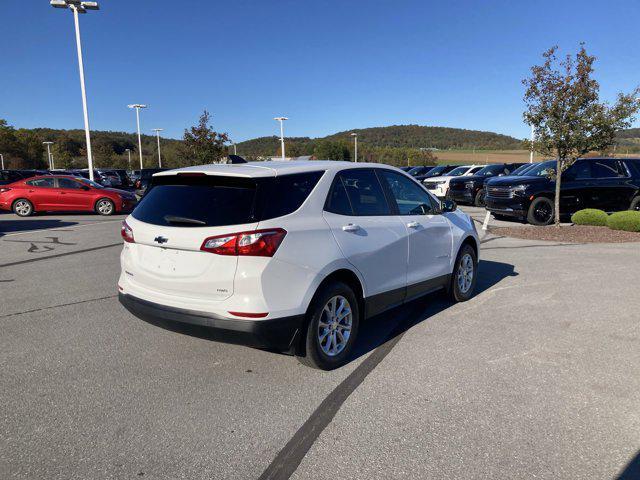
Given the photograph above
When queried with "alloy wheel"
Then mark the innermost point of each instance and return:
(465, 273)
(22, 207)
(105, 207)
(334, 326)
(543, 212)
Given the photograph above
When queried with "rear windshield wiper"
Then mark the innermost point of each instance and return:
(183, 220)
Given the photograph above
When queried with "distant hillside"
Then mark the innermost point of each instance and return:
(443, 138)
(395, 136)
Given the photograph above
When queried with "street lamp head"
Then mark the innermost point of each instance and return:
(48, 143)
(137, 105)
(281, 118)
(354, 134)
(157, 129)
(79, 5)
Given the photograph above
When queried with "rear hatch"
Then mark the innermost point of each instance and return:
(171, 223)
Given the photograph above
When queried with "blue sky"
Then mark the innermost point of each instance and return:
(328, 65)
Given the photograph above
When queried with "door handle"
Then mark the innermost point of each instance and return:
(351, 227)
(413, 224)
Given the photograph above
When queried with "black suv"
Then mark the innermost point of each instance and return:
(470, 188)
(609, 184)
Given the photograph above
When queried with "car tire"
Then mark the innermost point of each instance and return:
(464, 276)
(635, 204)
(22, 207)
(479, 199)
(541, 212)
(321, 341)
(104, 206)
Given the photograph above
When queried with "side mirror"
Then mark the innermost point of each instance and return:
(449, 206)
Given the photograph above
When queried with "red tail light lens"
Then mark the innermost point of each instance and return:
(258, 243)
(126, 233)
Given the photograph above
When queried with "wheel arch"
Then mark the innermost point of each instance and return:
(350, 278)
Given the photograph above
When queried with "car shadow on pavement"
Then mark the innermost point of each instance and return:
(13, 226)
(380, 329)
(631, 470)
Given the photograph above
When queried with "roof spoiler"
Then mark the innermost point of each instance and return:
(236, 159)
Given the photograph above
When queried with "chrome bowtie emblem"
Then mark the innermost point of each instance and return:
(161, 239)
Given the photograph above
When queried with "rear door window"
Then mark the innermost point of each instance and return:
(42, 182)
(287, 193)
(198, 201)
(364, 192)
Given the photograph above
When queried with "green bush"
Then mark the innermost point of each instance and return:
(590, 216)
(628, 221)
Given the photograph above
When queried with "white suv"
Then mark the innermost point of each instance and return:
(290, 255)
(439, 186)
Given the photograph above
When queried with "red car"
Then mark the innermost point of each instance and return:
(63, 193)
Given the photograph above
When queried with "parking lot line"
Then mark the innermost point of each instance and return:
(21, 262)
(58, 306)
(58, 228)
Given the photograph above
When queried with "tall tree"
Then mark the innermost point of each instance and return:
(202, 144)
(563, 105)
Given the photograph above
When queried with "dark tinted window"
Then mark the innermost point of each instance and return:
(198, 201)
(42, 182)
(338, 201)
(148, 172)
(67, 183)
(364, 192)
(287, 193)
(607, 168)
(410, 198)
(10, 176)
(579, 171)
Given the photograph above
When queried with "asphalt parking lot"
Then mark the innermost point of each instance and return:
(538, 376)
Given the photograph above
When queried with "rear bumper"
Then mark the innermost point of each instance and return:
(276, 333)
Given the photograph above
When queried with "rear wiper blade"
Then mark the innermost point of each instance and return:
(183, 220)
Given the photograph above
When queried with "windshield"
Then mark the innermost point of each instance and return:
(456, 172)
(490, 170)
(523, 168)
(90, 183)
(543, 169)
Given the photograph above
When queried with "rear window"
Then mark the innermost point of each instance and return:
(214, 201)
(205, 201)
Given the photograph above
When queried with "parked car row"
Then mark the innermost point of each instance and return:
(105, 177)
(63, 193)
(609, 184)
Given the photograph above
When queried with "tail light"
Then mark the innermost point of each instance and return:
(127, 233)
(2, 190)
(258, 243)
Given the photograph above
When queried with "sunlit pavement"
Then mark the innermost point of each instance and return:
(538, 376)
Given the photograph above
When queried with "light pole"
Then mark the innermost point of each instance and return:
(355, 141)
(48, 144)
(158, 130)
(281, 120)
(138, 106)
(128, 150)
(77, 7)
(1, 161)
(533, 137)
